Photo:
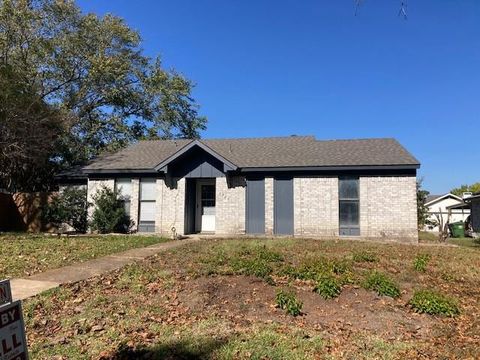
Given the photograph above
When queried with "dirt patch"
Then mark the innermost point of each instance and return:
(250, 299)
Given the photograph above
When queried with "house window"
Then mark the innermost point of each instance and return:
(349, 206)
(124, 187)
(146, 221)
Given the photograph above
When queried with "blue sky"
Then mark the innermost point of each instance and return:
(272, 68)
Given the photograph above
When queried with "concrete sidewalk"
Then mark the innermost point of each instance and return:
(35, 284)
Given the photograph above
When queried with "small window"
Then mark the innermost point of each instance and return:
(348, 189)
(147, 189)
(124, 187)
(349, 206)
(208, 195)
(147, 209)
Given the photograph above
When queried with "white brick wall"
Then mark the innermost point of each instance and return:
(388, 208)
(170, 209)
(230, 206)
(134, 203)
(93, 186)
(315, 202)
(269, 206)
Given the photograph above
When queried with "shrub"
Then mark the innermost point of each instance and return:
(256, 267)
(340, 266)
(434, 303)
(288, 270)
(328, 287)
(109, 214)
(256, 262)
(69, 207)
(364, 256)
(268, 255)
(289, 302)
(313, 269)
(420, 262)
(382, 284)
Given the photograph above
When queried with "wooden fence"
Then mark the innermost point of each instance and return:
(22, 211)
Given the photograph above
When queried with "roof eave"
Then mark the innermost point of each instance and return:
(330, 168)
(470, 198)
(120, 171)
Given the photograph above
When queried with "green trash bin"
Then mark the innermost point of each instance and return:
(457, 229)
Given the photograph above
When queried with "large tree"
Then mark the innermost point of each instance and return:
(422, 209)
(85, 86)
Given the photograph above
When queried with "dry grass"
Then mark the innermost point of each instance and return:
(216, 299)
(27, 254)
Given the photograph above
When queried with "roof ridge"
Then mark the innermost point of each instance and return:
(358, 139)
(260, 138)
(272, 137)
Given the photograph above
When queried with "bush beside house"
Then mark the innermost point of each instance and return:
(68, 209)
(109, 214)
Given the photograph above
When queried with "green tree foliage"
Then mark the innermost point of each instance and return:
(29, 129)
(68, 207)
(474, 188)
(422, 210)
(85, 80)
(109, 215)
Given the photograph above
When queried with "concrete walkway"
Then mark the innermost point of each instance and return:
(35, 284)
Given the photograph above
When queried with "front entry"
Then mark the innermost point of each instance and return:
(205, 205)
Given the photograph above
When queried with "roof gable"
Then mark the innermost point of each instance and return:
(163, 166)
(437, 198)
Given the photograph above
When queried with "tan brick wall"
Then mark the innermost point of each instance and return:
(269, 206)
(170, 209)
(134, 203)
(230, 205)
(388, 208)
(92, 187)
(315, 201)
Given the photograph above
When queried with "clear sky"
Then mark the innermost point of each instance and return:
(272, 68)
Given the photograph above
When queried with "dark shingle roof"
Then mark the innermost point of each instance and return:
(292, 151)
(430, 198)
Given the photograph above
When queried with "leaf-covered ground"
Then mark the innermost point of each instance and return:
(216, 299)
(26, 254)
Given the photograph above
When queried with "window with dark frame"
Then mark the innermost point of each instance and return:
(146, 219)
(124, 187)
(349, 206)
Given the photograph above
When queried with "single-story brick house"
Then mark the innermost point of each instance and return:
(281, 185)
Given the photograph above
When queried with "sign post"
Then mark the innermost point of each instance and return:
(13, 342)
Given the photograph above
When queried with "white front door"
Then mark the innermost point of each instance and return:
(205, 219)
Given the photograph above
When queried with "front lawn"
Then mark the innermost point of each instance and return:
(269, 299)
(27, 254)
(428, 237)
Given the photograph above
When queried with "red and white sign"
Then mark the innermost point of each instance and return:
(13, 343)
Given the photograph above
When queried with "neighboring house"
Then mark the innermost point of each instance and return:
(448, 207)
(286, 186)
(474, 202)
